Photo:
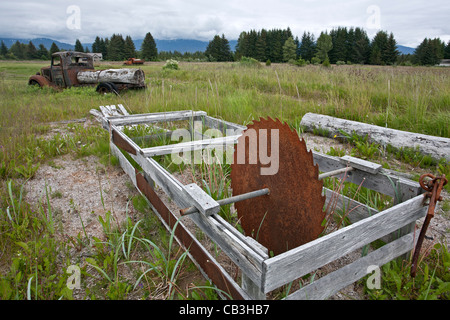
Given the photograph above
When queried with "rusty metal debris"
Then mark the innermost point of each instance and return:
(292, 213)
(434, 187)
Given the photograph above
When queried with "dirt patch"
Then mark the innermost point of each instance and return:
(81, 190)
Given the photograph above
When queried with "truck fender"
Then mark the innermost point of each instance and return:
(38, 80)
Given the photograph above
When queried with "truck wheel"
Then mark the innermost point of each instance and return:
(34, 83)
(107, 87)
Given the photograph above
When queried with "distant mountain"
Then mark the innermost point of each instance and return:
(405, 50)
(181, 45)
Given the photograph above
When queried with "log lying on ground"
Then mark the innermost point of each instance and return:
(125, 75)
(436, 147)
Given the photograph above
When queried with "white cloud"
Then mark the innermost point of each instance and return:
(410, 21)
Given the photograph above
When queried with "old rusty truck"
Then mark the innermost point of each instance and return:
(75, 69)
(132, 61)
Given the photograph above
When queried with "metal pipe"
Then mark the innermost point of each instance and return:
(335, 172)
(233, 199)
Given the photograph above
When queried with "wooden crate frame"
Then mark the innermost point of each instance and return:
(261, 273)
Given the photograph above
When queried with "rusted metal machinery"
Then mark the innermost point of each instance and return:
(281, 220)
(74, 69)
(433, 186)
(132, 61)
(280, 199)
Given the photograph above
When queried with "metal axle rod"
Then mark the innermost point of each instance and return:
(233, 199)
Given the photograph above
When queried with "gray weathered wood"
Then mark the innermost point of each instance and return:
(384, 181)
(222, 125)
(129, 169)
(202, 201)
(360, 164)
(339, 279)
(437, 147)
(297, 262)
(190, 146)
(155, 117)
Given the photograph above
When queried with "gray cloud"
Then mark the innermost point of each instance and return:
(410, 21)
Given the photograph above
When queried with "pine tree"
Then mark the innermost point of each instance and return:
(360, 52)
(116, 48)
(18, 50)
(261, 46)
(391, 53)
(289, 50)
(3, 49)
(31, 51)
(53, 48)
(379, 49)
(78, 46)
(148, 48)
(130, 49)
(339, 49)
(218, 49)
(307, 49)
(42, 52)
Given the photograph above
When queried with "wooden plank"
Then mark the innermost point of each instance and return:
(205, 262)
(202, 201)
(154, 117)
(222, 125)
(360, 164)
(339, 279)
(190, 146)
(384, 181)
(299, 261)
(123, 110)
(240, 252)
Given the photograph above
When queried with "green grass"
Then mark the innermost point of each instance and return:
(417, 99)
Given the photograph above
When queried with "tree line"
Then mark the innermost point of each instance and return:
(339, 45)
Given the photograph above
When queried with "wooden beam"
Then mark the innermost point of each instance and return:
(154, 117)
(339, 279)
(299, 261)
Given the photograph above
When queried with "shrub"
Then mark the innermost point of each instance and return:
(249, 62)
(315, 60)
(340, 63)
(171, 64)
(268, 62)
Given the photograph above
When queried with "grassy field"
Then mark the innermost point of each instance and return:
(415, 99)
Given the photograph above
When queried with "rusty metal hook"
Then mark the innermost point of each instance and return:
(434, 187)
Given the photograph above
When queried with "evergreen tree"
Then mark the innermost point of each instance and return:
(3, 49)
(116, 48)
(78, 46)
(53, 48)
(18, 50)
(360, 52)
(148, 48)
(218, 49)
(307, 49)
(339, 48)
(130, 49)
(391, 53)
(429, 52)
(96, 46)
(379, 49)
(289, 50)
(261, 46)
(31, 51)
(324, 45)
(42, 52)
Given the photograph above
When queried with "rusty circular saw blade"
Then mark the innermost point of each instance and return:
(292, 214)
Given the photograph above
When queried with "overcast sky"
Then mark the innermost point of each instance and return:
(410, 21)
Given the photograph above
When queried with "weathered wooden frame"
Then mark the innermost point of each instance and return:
(261, 273)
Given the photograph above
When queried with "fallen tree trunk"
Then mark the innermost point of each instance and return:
(128, 76)
(436, 147)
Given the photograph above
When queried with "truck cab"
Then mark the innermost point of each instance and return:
(62, 72)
